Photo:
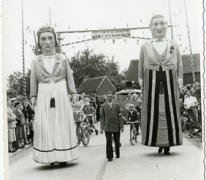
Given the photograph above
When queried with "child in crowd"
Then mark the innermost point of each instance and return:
(89, 111)
(133, 116)
(78, 114)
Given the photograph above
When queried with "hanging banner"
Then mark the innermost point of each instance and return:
(111, 34)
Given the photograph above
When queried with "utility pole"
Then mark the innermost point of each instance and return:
(191, 55)
(23, 60)
(170, 20)
(49, 16)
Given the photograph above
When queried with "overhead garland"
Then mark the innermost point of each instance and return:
(98, 37)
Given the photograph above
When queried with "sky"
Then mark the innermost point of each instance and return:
(69, 15)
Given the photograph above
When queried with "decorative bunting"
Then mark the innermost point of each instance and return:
(98, 37)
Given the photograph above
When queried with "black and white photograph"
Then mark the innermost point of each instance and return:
(102, 90)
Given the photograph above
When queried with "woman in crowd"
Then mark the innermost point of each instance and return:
(21, 129)
(11, 127)
(160, 72)
(28, 112)
(51, 84)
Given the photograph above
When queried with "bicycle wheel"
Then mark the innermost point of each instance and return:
(132, 136)
(85, 137)
(78, 137)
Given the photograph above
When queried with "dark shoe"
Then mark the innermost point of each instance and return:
(191, 136)
(167, 152)
(109, 159)
(117, 156)
(63, 164)
(96, 131)
(160, 150)
(52, 164)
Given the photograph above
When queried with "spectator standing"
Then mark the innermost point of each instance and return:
(191, 103)
(11, 127)
(21, 130)
(138, 107)
(98, 106)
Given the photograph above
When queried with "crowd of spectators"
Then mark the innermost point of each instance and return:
(20, 124)
(190, 98)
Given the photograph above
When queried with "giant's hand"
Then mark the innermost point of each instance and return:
(33, 102)
(180, 83)
(140, 82)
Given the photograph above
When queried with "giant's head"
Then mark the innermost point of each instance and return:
(158, 26)
(47, 38)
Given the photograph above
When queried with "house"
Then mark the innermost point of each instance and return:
(132, 72)
(187, 69)
(97, 85)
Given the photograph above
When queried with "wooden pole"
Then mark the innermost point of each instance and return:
(59, 42)
(49, 16)
(191, 55)
(170, 19)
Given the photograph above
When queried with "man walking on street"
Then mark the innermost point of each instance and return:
(112, 124)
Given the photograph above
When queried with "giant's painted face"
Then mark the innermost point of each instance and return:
(47, 41)
(158, 27)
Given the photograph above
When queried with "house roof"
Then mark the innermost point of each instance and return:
(187, 64)
(92, 84)
(132, 72)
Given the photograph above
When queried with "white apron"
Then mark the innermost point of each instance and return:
(54, 131)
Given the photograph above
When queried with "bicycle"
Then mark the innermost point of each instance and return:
(89, 120)
(83, 133)
(133, 132)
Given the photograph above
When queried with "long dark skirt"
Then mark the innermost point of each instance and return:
(161, 121)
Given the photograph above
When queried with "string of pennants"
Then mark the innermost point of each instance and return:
(98, 37)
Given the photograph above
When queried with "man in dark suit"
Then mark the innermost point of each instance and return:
(111, 122)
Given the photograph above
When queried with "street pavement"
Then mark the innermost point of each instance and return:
(135, 162)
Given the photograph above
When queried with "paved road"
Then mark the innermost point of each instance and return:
(136, 162)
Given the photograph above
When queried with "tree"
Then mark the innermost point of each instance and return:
(86, 63)
(15, 82)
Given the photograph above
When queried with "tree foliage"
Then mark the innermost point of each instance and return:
(15, 82)
(86, 63)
